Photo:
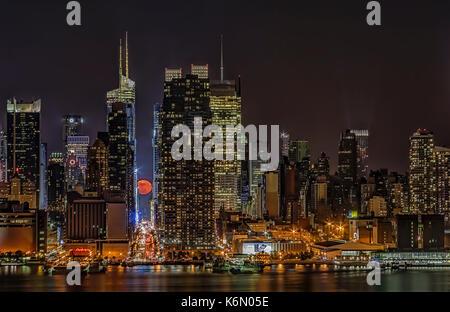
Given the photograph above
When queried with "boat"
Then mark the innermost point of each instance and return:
(208, 264)
(238, 264)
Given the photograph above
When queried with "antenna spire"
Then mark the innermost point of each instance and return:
(221, 58)
(126, 54)
(120, 64)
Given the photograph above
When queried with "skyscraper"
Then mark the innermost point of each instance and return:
(362, 140)
(201, 71)
(225, 104)
(77, 146)
(442, 156)
(154, 206)
(347, 161)
(3, 157)
(284, 146)
(126, 94)
(185, 187)
(56, 181)
(323, 165)
(170, 74)
(121, 159)
(23, 137)
(97, 176)
(43, 201)
(422, 176)
(298, 150)
(72, 126)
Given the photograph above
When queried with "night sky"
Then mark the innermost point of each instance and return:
(313, 67)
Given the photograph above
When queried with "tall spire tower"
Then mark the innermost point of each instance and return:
(120, 64)
(221, 58)
(124, 97)
(126, 54)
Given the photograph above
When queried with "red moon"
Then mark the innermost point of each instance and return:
(144, 187)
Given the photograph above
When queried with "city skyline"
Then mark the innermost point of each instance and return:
(362, 89)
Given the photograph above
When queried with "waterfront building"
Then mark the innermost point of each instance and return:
(407, 232)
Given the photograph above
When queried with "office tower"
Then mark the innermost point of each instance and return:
(323, 165)
(442, 156)
(396, 199)
(72, 126)
(170, 74)
(362, 140)
(347, 161)
(121, 159)
(272, 194)
(367, 192)
(319, 199)
(289, 183)
(43, 177)
(23, 137)
(298, 150)
(56, 181)
(377, 206)
(3, 157)
(126, 94)
(22, 225)
(201, 71)
(154, 204)
(97, 176)
(225, 104)
(185, 187)
(116, 217)
(422, 172)
(86, 219)
(255, 180)
(74, 178)
(433, 231)
(407, 232)
(284, 146)
(77, 147)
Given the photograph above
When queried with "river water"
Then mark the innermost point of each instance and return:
(284, 278)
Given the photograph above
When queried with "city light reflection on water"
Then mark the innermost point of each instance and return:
(195, 278)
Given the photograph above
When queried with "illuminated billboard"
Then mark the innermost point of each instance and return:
(256, 247)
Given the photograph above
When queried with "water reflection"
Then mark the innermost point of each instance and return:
(196, 278)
